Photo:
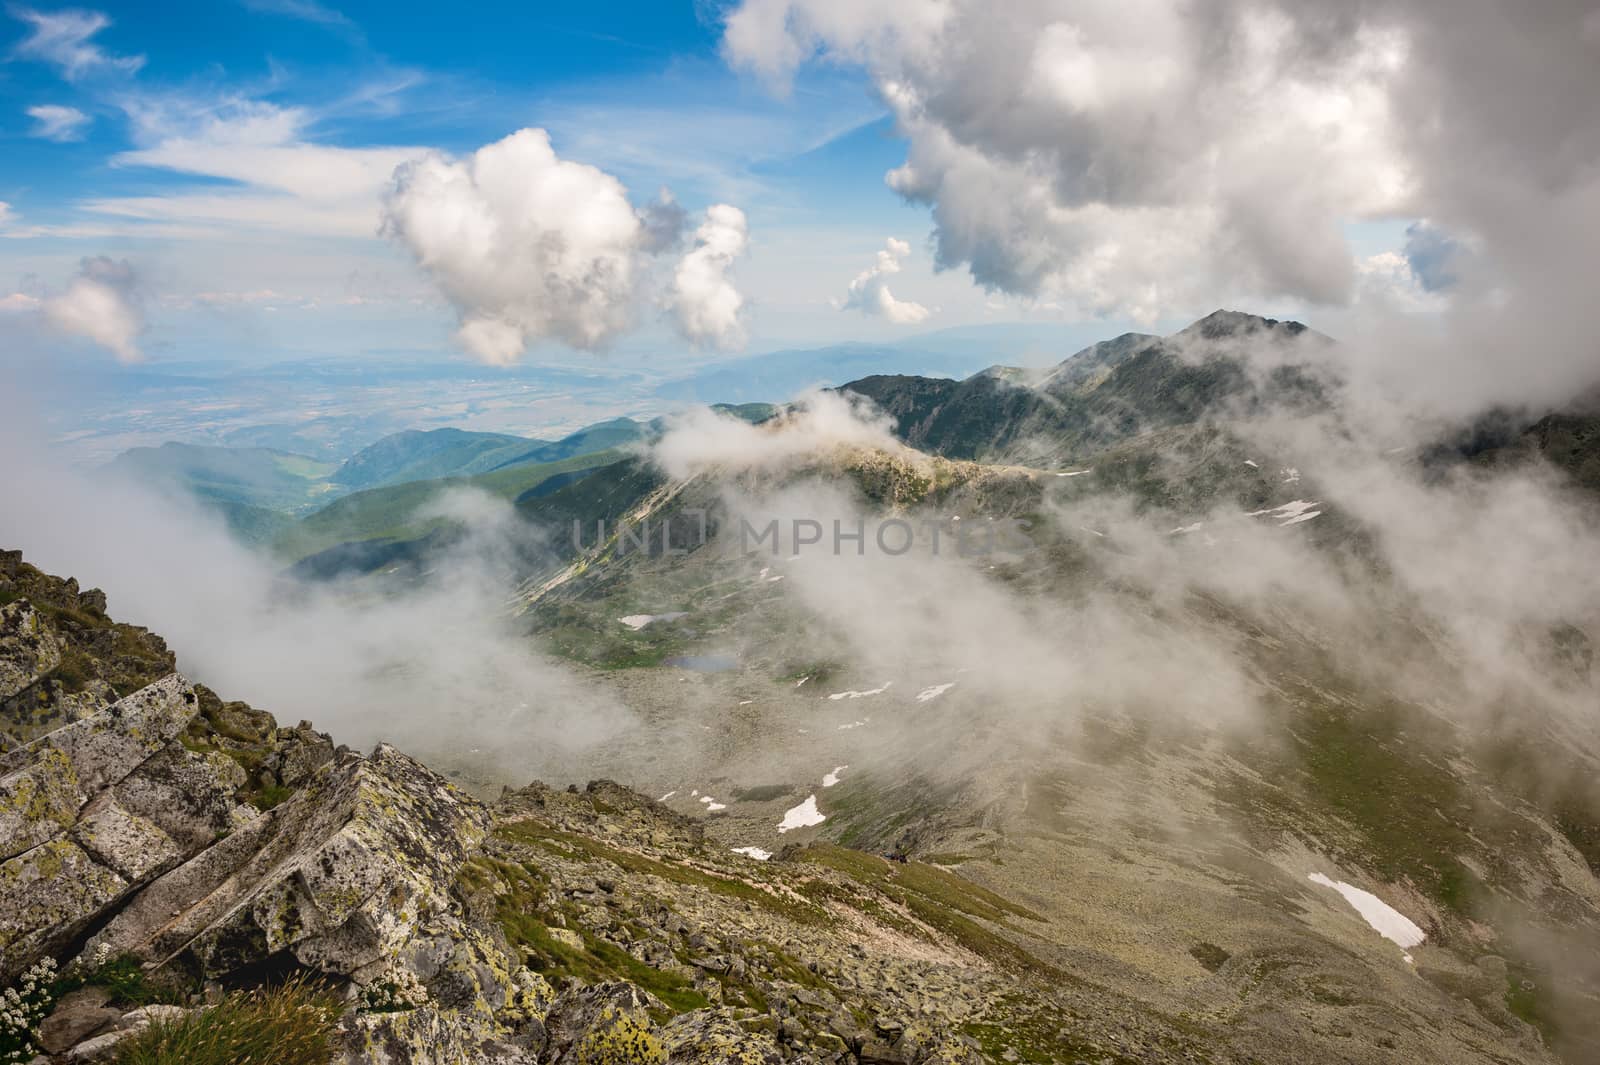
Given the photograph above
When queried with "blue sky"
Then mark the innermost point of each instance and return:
(232, 155)
(637, 89)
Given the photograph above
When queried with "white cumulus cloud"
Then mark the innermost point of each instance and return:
(54, 122)
(529, 247)
(1106, 155)
(869, 292)
(706, 302)
(100, 304)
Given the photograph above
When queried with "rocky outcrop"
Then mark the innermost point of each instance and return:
(61, 657)
(125, 832)
(340, 876)
(29, 651)
(71, 849)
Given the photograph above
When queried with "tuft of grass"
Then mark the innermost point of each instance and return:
(270, 796)
(75, 670)
(291, 1024)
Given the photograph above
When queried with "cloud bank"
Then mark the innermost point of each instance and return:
(1171, 157)
(1122, 159)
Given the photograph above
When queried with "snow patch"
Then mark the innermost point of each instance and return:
(1252, 464)
(836, 696)
(934, 692)
(1298, 518)
(667, 796)
(639, 621)
(833, 778)
(854, 724)
(1288, 510)
(1184, 530)
(754, 852)
(712, 804)
(803, 816)
(1387, 921)
(1075, 473)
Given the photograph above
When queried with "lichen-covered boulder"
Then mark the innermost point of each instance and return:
(605, 1024)
(28, 649)
(134, 847)
(341, 875)
(189, 795)
(69, 851)
(105, 747)
(47, 896)
(38, 802)
(427, 1035)
(708, 1037)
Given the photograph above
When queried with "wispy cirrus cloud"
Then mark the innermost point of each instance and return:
(56, 122)
(65, 39)
(304, 10)
(281, 179)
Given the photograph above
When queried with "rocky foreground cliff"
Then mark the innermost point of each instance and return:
(154, 836)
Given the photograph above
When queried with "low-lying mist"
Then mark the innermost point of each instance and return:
(436, 668)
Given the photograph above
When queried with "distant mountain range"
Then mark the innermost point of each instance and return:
(1149, 413)
(954, 353)
(298, 505)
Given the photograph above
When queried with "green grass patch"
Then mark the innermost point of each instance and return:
(526, 912)
(391, 512)
(130, 985)
(1525, 997)
(292, 1024)
(271, 795)
(1023, 1032)
(75, 670)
